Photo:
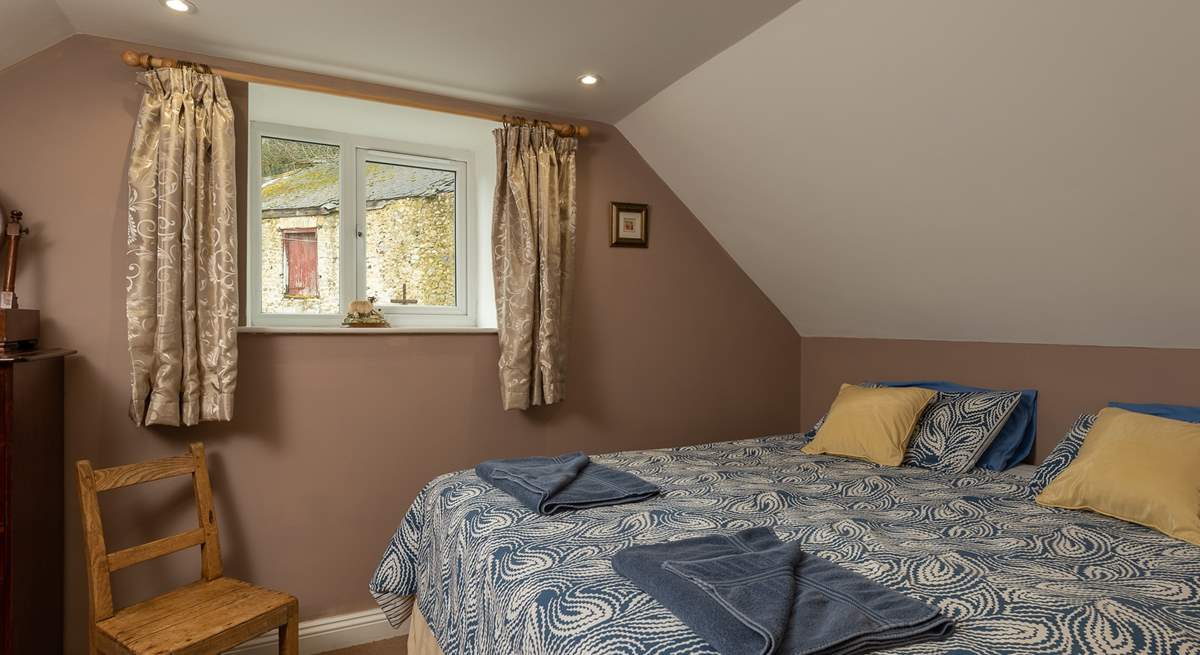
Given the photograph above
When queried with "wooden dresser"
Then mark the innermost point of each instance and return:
(31, 501)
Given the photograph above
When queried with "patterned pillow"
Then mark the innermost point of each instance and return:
(808, 436)
(1063, 454)
(957, 428)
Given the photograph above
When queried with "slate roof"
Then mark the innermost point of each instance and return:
(316, 187)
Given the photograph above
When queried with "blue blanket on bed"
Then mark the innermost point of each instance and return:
(749, 593)
(492, 577)
(548, 485)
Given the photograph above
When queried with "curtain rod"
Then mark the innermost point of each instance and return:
(149, 61)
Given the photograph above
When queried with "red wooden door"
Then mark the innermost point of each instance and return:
(300, 259)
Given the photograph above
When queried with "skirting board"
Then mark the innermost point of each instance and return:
(329, 633)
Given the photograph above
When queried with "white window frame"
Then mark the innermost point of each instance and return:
(354, 151)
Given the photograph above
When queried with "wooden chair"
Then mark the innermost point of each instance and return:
(210, 615)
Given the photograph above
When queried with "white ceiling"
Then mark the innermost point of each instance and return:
(939, 169)
(521, 53)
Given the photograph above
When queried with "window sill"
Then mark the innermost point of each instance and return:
(278, 329)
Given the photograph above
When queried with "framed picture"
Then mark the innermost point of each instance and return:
(630, 225)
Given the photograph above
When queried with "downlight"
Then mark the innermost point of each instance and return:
(181, 6)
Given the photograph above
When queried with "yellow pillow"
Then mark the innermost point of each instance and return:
(1136, 467)
(871, 424)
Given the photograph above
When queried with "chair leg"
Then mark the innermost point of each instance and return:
(289, 633)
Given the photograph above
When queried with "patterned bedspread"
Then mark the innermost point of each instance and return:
(491, 577)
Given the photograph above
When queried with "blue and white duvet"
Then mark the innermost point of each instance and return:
(491, 577)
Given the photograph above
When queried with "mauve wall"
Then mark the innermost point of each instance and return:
(1070, 379)
(334, 435)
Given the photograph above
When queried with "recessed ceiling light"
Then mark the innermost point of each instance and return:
(182, 6)
(589, 79)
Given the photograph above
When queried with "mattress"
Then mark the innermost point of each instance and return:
(490, 577)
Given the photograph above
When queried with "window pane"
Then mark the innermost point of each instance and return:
(410, 235)
(301, 198)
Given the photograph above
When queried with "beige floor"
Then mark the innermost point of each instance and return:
(394, 646)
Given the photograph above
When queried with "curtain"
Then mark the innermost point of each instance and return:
(181, 292)
(533, 259)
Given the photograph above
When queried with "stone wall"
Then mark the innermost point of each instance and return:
(410, 241)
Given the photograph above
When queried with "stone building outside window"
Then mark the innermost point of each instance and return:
(409, 237)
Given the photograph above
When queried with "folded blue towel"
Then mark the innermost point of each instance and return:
(548, 485)
(751, 594)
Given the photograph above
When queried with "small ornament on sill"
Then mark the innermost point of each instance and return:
(363, 314)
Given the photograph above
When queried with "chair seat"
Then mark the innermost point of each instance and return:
(202, 617)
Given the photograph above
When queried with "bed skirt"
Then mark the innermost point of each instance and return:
(420, 638)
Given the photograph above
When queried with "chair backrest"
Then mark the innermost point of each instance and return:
(101, 563)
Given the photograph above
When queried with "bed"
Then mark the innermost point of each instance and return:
(490, 577)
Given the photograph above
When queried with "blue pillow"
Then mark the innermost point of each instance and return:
(1016, 438)
(1176, 412)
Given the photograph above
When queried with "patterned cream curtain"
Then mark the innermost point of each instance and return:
(182, 288)
(533, 259)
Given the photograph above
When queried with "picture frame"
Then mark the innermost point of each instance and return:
(630, 225)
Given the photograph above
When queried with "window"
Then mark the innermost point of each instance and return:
(335, 217)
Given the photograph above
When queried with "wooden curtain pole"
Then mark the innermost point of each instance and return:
(149, 61)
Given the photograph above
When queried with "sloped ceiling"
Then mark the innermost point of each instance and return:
(517, 53)
(29, 26)
(937, 169)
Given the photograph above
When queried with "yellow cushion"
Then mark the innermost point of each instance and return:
(871, 424)
(1140, 468)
